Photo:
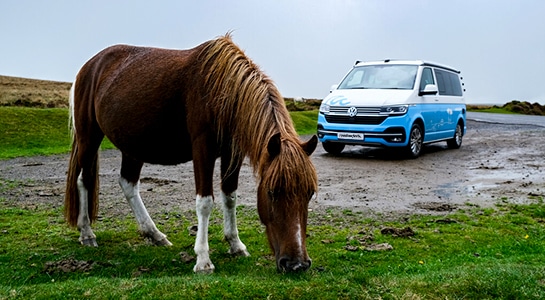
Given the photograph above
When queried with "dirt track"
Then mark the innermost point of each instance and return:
(495, 163)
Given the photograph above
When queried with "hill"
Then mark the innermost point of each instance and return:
(515, 107)
(24, 92)
(16, 91)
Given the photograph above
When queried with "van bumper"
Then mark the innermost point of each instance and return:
(391, 133)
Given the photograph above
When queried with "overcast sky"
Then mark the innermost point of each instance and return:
(304, 46)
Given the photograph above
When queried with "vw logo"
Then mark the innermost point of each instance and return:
(352, 111)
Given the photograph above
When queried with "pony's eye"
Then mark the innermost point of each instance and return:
(273, 194)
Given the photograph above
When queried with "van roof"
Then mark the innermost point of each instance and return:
(405, 62)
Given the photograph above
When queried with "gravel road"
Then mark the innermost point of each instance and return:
(495, 163)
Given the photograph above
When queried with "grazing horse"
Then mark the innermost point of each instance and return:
(167, 107)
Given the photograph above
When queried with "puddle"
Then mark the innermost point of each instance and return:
(447, 190)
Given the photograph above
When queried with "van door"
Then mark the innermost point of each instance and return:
(429, 104)
(450, 90)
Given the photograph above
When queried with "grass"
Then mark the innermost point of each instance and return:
(34, 131)
(489, 109)
(305, 121)
(31, 131)
(492, 255)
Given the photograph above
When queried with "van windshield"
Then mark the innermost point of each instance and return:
(380, 77)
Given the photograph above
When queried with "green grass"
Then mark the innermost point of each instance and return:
(27, 131)
(489, 109)
(497, 255)
(305, 121)
(35, 131)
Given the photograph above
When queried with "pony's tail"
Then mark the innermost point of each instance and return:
(71, 198)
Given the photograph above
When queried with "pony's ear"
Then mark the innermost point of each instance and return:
(310, 146)
(274, 146)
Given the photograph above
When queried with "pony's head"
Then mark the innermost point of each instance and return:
(287, 183)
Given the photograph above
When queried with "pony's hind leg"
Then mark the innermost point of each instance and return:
(87, 237)
(85, 157)
(130, 183)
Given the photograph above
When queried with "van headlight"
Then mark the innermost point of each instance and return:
(324, 108)
(394, 110)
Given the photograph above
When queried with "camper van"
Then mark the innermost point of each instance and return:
(394, 103)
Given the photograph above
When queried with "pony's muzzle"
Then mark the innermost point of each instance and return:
(289, 265)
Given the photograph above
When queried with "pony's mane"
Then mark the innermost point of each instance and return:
(237, 87)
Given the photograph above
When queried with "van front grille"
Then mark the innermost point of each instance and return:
(362, 120)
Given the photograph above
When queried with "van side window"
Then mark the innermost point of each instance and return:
(448, 83)
(427, 78)
(455, 83)
(442, 83)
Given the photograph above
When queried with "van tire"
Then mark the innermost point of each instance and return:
(333, 148)
(456, 141)
(416, 142)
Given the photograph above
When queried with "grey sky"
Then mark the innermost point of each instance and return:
(304, 46)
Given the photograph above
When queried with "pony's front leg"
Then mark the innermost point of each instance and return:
(145, 223)
(230, 225)
(204, 208)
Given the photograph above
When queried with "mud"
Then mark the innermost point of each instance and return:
(68, 266)
(496, 163)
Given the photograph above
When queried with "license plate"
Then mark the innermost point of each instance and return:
(350, 136)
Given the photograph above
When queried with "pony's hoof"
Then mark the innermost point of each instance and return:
(204, 269)
(241, 252)
(163, 242)
(89, 242)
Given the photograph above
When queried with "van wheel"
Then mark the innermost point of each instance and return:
(333, 148)
(416, 141)
(456, 141)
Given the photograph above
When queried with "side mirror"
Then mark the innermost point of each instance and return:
(429, 89)
(333, 87)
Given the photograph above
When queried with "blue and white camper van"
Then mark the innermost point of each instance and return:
(394, 103)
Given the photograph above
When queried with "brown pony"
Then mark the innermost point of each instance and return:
(167, 107)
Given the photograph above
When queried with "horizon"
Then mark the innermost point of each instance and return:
(490, 103)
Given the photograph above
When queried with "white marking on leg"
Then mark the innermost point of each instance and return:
(230, 229)
(204, 209)
(86, 237)
(145, 223)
